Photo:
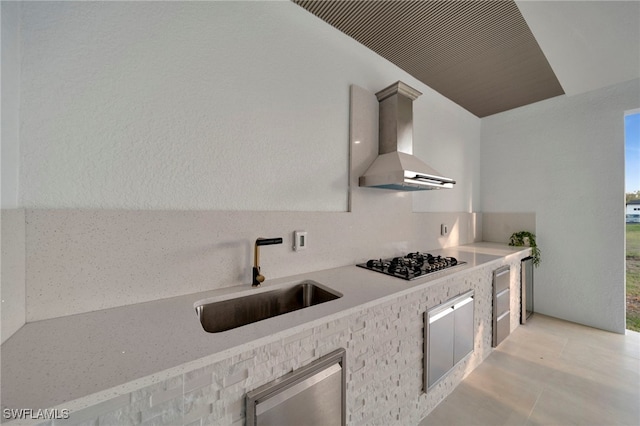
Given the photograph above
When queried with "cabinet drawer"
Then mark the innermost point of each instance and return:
(311, 395)
(501, 328)
(502, 301)
(501, 304)
(501, 279)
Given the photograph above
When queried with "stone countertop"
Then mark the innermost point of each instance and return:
(80, 360)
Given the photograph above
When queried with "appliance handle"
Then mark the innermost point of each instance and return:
(462, 303)
(433, 179)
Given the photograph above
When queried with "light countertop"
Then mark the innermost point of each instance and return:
(79, 360)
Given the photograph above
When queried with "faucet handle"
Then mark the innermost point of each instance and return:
(257, 277)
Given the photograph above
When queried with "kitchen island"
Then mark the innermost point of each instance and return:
(153, 362)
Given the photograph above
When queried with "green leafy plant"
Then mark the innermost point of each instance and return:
(525, 238)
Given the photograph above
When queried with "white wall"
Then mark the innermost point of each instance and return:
(10, 95)
(447, 138)
(83, 260)
(600, 38)
(205, 105)
(147, 127)
(564, 160)
(12, 222)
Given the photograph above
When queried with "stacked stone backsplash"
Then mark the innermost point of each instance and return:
(384, 349)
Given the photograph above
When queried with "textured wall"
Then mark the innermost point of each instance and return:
(564, 160)
(203, 105)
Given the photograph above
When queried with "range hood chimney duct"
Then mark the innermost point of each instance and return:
(395, 167)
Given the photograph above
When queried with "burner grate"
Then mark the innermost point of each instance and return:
(411, 266)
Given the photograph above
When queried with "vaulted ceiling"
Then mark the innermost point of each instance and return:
(492, 56)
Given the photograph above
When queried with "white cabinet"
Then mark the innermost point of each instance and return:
(448, 337)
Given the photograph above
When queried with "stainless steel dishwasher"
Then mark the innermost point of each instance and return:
(312, 395)
(501, 304)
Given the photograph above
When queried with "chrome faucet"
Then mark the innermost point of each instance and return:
(257, 277)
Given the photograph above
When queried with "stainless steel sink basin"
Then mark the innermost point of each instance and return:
(231, 313)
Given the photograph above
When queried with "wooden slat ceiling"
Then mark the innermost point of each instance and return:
(480, 54)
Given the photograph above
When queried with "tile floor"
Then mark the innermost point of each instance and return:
(550, 372)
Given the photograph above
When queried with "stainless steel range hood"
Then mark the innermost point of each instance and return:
(396, 167)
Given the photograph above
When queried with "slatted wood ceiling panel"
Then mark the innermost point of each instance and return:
(480, 54)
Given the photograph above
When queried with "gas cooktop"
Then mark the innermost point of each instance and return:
(411, 266)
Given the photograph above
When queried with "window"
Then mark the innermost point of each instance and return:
(632, 189)
(632, 152)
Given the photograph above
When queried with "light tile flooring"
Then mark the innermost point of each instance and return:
(550, 372)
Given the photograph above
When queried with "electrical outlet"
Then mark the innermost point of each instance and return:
(444, 230)
(299, 240)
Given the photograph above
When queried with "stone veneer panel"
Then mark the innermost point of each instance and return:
(384, 345)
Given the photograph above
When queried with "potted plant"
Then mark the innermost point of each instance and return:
(528, 239)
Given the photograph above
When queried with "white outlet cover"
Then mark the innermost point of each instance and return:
(299, 240)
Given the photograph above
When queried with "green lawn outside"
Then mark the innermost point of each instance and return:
(633, 276)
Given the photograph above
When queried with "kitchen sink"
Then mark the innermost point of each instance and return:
(231, 313)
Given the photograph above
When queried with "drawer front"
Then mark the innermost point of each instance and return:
(502, 302)
(313, 395)
(501, 279)
(501, 328)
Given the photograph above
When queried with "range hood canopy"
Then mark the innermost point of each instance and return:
(396, 167)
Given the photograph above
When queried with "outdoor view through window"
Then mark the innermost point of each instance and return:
(632, 210)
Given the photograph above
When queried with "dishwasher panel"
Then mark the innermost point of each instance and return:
(311, 395)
